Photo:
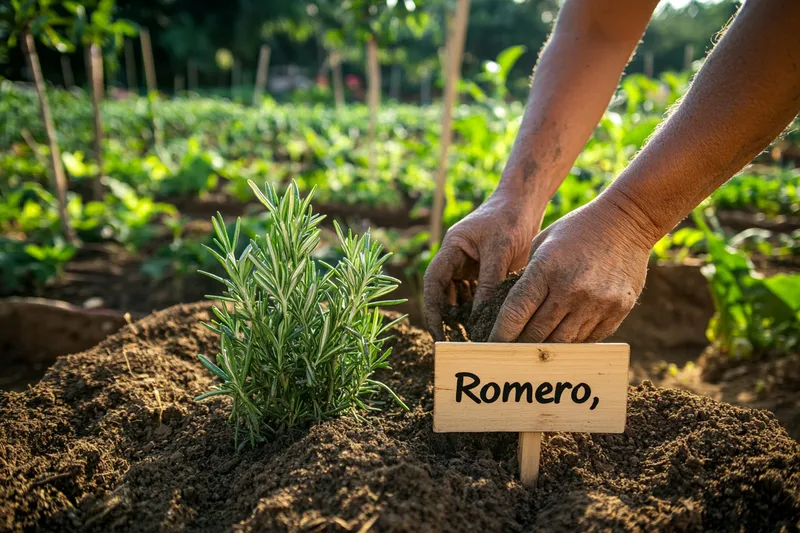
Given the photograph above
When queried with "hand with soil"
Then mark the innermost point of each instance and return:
(584, 276)
(488, 244)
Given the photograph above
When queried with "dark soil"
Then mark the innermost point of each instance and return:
(111, 440)
(111, 277)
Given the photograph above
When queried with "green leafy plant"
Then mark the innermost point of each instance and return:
(299, 339)
(25, 266)
(753, 313)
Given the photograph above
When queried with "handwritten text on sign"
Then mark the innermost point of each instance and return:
(530, 387)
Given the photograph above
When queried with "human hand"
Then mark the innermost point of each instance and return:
(485, 246)
(583, 278)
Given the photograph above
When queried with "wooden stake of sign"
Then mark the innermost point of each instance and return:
(530, 389)
(453, 55)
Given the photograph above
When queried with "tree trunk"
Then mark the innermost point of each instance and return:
(96, 83)
(373, 100)
(149, 63)
(59, 176)
(130, 66)
(66, 70)
(261, 74)
(338, 84)
(455, 50)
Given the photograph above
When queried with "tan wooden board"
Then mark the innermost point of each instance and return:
(597, 406)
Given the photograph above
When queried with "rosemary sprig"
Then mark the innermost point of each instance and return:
(299, 339)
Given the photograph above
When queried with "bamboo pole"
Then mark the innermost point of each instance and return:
(336, 74)
(66, 71)
(96, 79)
(373, 100)
(59, 177)
(261, 74)
(149, 63)
(130, 66)
(455, 50)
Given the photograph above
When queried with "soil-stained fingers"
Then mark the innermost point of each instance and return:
(605, 329)
(574, 328)
(437, 285)
(545, 320)
(520, 305)
(493, 270)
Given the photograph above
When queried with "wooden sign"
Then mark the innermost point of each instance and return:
(530, 388)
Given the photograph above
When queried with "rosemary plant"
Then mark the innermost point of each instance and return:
(299, 338)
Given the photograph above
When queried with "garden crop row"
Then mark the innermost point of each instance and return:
(206, 150)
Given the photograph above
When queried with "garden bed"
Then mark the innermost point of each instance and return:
(111, 439)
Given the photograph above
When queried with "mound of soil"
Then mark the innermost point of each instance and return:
(111, 440)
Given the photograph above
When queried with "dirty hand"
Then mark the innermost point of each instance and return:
(583, 278)
(485, 246)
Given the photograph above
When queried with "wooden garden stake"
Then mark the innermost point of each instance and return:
(177, 86)
(455, 51)
(530, 389)
(688, 56)
(192, 75)
(149, 63)
(152, 83)
(336, 73)
(59, 176)
(236, 77)
(96, 79)
(130, 66)
(66, 71)
(373, 99)
(261, 74)
(648, 64)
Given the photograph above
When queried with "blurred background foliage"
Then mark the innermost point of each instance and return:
(216, 34)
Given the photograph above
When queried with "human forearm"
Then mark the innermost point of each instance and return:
(747, 92)
(576, 75)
